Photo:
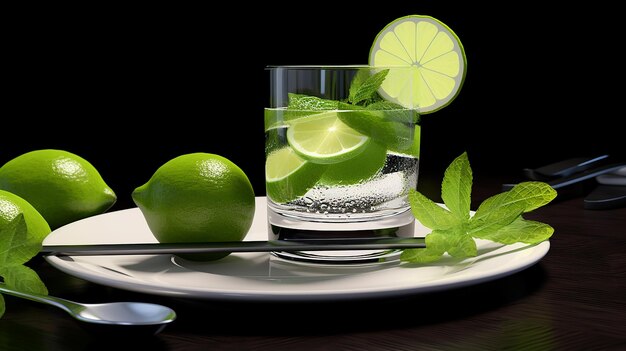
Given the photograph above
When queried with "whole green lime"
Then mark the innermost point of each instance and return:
(197, 197)
(12, 206)
(62, 186)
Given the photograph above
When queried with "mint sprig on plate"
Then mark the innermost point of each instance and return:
(16, 248)
(498, 218)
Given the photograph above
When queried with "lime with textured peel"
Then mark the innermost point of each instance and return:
(11, 206)
(288, 176)
(62, 186)
(432, 51)
(357, 169)
(325, 139)
(197, 197)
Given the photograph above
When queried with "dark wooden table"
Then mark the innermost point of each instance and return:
(572, 299)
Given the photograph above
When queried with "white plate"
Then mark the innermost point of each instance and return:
(263, 277)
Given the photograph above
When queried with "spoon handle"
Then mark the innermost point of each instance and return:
(50, 300)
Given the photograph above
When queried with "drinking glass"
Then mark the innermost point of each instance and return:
(341, 156)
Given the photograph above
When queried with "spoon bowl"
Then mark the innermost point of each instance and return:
(148, 316)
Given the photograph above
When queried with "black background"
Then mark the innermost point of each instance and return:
(130, 88)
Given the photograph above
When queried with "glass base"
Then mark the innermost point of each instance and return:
(289, 228)
(340, 257)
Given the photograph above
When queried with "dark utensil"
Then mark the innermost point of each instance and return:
(605, 197)
(564, 168)
(579, 177)
(235, 246)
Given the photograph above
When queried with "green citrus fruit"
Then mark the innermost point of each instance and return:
(37, 228)
(288, 176)
(325, 139)
(197, 197)
(62, 186)
(357, 169)
(432, 51)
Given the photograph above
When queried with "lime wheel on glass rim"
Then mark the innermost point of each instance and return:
(435, 54)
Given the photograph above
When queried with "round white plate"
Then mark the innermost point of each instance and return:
(263, 277)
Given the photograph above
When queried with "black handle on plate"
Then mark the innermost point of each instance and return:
(234, 246)
(578, 177)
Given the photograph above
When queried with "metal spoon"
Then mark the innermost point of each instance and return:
(148, 316)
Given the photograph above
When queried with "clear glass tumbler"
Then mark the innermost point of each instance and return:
(342, 153)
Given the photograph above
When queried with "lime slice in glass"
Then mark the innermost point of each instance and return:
(357, 169)
(288, 176)
(432, 51)
(325, 139)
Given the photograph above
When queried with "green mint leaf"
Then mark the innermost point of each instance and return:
(456, 187)
(395, 112)
(15, 246)
(436, 246)
(344, 106)
(454, 241)
(368, 88)
(493, 214)
(383, 111)
(21, 278)
(385, 105)
(532, 194)
(307, 102)
(498, 218)
(430, 214)
(501, 209)
(359, 78)
(460, 244)
(382, 126)
(425, 255)
(520, 230)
